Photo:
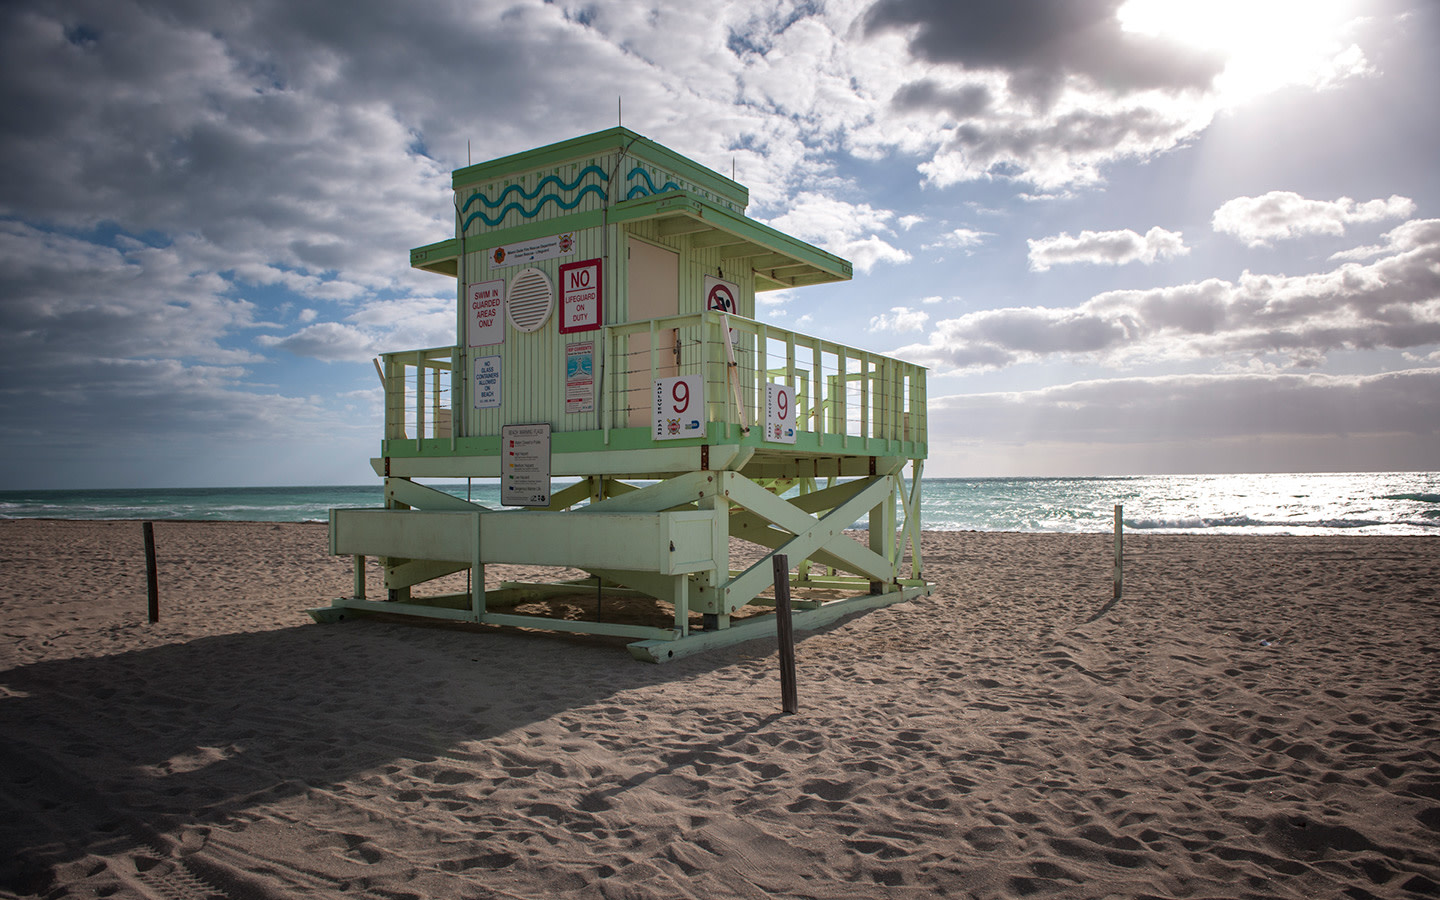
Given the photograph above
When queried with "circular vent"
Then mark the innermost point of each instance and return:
(530, 300)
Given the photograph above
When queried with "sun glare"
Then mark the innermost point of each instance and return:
(1267, 44)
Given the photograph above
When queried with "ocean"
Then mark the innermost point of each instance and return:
(1389, 503)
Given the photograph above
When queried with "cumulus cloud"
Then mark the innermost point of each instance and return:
(900, 318)
(1044, 91)
(69, 300)
(1064, 146)
(850, 230)
(377, 327)
(1113, 248)
(962, 238)
(1040, 43)
(1283, 215)
(329, 341)
(1051, 91)
(157, 125)
(1393, 302)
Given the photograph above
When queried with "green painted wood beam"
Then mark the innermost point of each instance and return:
(405, 534)
(748, 526)
(755, 579)
(742, 228)
(404, 609)
(611, 629)
(578, 588)
(568, 497)
(669, 543)
(440, 257)
(419, 571)
(661, 587)
(419, 496)
(668, 494)
(763, 627)
(854, 557)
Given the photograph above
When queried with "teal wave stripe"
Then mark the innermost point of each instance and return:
(641, 191)
(532, 213)
(548, 179)
(516, 206)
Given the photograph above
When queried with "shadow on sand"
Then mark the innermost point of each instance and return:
(108, 754)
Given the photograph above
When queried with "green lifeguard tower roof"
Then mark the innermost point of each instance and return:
(703, 204)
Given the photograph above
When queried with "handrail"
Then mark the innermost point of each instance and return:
(884, 399)
(423, 378)
(841, 394)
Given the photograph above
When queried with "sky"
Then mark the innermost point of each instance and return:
(1125, 236)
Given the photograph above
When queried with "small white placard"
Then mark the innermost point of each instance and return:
(525, 252)
(779, 414)
(679, 408)
(487, 382)
(485, 302)
(525, 458)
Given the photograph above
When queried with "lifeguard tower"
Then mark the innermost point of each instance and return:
(607, 336)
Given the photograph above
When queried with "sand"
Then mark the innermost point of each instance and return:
(1257, 717)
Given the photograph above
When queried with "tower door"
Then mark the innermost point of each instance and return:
(653, 289)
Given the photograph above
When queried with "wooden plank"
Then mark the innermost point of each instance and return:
(612, 629)
(419, 496)
(852, 556)
(419, 571)
(914, 524)
(405, 609)
(785, 634)
(403, 533)
(667, 543)
(651, 584)
(152, 579)
(668, 494)
(568, 497)
(761, 627)
(753, 580)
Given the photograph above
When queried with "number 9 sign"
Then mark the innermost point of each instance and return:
(779, 414)
(679, 408)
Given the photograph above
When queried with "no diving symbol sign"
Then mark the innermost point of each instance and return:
(721, 295)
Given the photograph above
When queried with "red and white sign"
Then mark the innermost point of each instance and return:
(779, 414)
(485, 312)
(722, 295)
(679, 408)
(580, 297)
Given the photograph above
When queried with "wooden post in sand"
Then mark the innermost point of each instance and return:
(785, 631)
(152, 579)
(1119, 557)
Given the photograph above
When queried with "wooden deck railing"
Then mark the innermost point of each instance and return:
(842, 395)
(841, 392)
(418, 398)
